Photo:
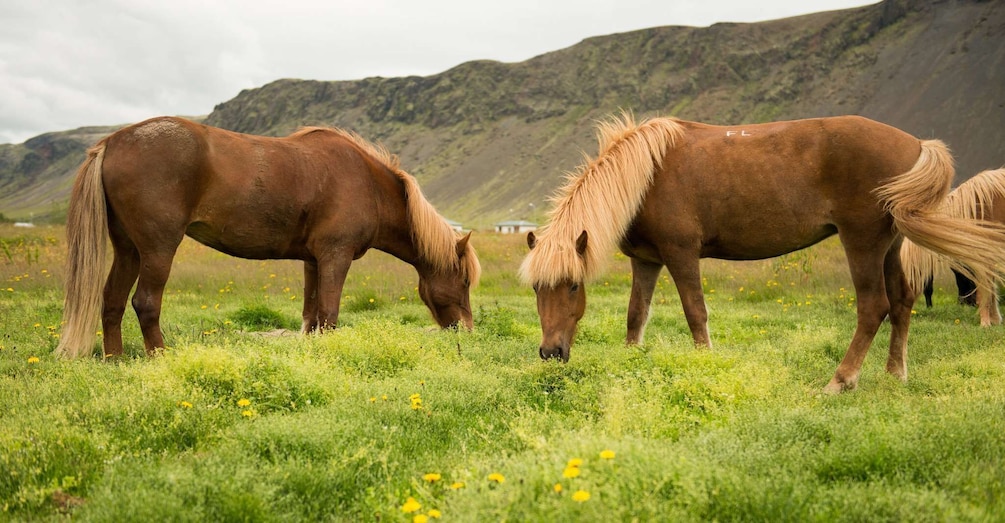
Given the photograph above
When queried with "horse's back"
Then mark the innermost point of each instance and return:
(761, 190)
(246, 195)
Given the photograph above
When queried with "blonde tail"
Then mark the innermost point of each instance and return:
(86, 238)
(976, 248)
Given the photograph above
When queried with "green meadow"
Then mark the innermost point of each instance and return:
(387, 418)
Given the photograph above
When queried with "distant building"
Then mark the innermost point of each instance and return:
(515, 227)
(23, 224)
(455, 225)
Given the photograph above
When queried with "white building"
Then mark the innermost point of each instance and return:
(515, 227)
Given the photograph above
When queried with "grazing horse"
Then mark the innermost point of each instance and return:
(324, 196)
(670, 192)
(979, 198)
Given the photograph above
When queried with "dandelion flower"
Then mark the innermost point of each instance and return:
(184, 404)
(373, 399)
(410, 506)
(570, 472)
(557, 488)
(243, 402)
(432, 477)
(607, 454)
(247, 413)
(435, 514)
(575, 462)
(33, 360)
(581, 496)
(497, 477)
(420, 518)
(457, 485)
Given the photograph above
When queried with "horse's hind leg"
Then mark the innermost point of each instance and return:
(901, 297)
(867, 275)
(988, 306)
(155, 267)
(644, 277)
(125, 268)
(310, 316)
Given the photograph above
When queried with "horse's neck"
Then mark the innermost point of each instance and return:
(394, 231)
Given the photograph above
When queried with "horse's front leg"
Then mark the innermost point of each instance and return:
(644, 278)
(310, 316)
(685, 269)
(332, 270)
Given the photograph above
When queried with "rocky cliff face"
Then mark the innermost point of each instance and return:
(490, 141)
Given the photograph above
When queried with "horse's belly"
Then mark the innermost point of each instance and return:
(250, 243)
(767, 242)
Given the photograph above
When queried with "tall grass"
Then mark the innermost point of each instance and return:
(243, 419)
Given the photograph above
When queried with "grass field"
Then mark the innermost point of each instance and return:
(389, 419)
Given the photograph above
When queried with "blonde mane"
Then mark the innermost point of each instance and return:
(602, 198)
(972, 200)
(434, 238)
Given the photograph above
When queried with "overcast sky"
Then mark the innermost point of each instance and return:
(70, 63)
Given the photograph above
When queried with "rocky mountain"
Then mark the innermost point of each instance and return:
(490, 141)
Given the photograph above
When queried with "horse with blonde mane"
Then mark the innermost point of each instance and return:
(669, 192)
(979, 198)
(324, 196)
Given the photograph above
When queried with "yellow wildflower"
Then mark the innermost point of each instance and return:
(420, 518)
(497, 477)
(247, 413)
(570, 472)
(432, 477)
(33, 360)
(575, 462)
(581, 496)
(607, 454)
(184, 404)
(435, 514)
(243, 402)
(410, 506)
(557, 488)
(457, 485)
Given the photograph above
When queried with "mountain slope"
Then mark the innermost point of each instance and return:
(490, 141)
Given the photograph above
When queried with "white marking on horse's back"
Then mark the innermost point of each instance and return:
(163, 131)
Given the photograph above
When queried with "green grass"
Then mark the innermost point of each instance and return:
(239, 421)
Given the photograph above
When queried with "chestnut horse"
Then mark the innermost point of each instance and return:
(670, 192)
(324, 196)
(982, 198)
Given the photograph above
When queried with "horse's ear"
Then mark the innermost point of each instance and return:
(531, 239)
(581, 244)
(462, 245)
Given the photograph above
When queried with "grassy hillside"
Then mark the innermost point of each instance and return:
(490, 141)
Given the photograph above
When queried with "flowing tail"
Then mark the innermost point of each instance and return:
(975, 248)
(86, 238)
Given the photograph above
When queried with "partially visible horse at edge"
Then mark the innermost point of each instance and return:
(669, 192)
(979, 198)
(321, 195)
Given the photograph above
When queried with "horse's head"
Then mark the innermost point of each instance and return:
(560, 306)
(447, 291)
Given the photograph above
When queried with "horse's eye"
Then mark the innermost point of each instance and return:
(535, 287)
(574, 288)
(467, 282)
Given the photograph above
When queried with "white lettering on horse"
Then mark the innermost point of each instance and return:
(738, 133)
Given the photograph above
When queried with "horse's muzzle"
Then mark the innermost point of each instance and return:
(557, 351)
